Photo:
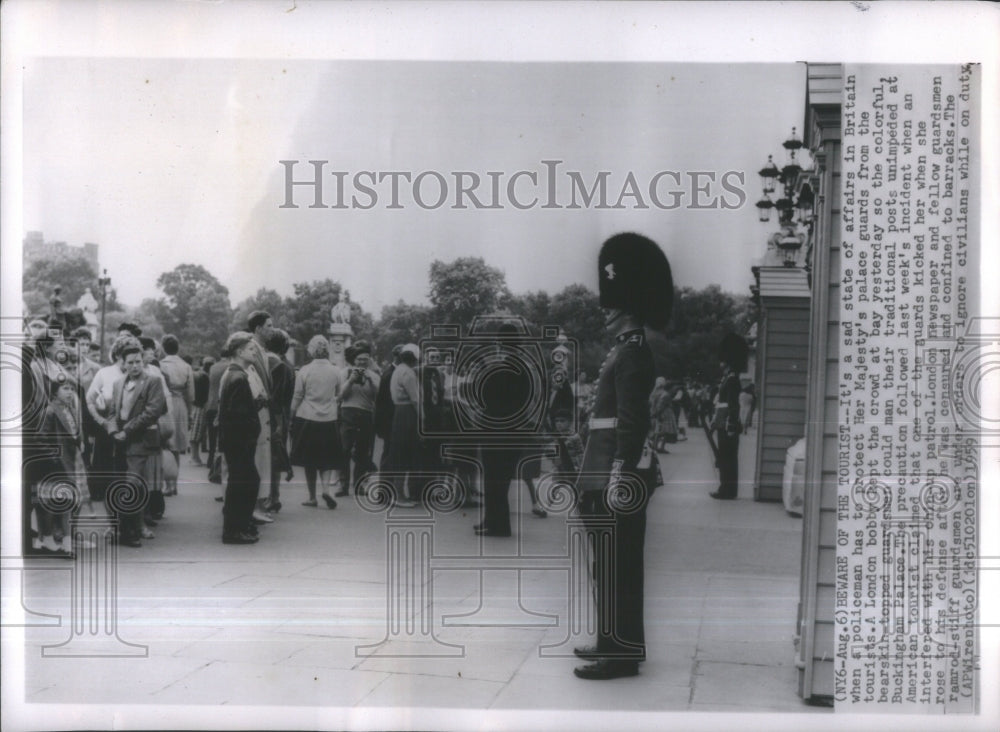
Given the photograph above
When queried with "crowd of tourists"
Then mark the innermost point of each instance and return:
(252, 417)
(112, 435)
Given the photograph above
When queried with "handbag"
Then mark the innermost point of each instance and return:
(165, 425)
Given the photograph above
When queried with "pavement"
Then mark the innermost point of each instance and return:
(301, 619)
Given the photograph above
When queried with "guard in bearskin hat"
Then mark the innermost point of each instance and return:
(733, 353)
(619, 470)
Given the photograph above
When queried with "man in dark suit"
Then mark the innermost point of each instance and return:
(619, 471)
(505, 391)
(138, 404)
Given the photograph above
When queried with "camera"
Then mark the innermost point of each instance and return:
(499, 380)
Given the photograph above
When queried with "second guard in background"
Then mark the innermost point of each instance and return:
(733, 360)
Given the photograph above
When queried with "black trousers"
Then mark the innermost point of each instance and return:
(616, 542)
(132, 500)
(102, 465)
(212, 430)
(241, 490)
(499, 469)
(357, 438)
(729, 451)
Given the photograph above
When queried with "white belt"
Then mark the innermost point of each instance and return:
(603, 423)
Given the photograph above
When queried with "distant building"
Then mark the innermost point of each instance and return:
(36, 248)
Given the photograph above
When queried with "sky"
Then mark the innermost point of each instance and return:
(170, 161)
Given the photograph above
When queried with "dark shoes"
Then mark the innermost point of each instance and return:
(539, 512)
(330, 503)
(341, 494)
(719, 496)
(587, 653)
(604, 670)
(240, 538)
(590, 653)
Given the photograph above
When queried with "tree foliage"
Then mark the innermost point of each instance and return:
(401, 323)
(180, 286)
(207, 326)
(264, 299)
(533, 307)
(307, 312)
(464, 288)
(73, 273)
(700, 319)
(195, 308)
(577, 310)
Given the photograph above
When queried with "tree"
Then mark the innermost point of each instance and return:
(533, 307)
(463, 289)
(180, 286)
(148, 317)
(207, 328)
(196, 309)
(71, 271)
(576, 309)
(700, 319)
(308, 310)
(401, 323)
(264, 299)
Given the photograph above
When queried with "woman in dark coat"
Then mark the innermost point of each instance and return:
(239, 428)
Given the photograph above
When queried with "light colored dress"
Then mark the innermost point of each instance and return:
(179, 378)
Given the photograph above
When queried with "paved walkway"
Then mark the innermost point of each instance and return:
(281, 622)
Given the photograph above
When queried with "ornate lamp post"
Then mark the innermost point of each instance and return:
(788, 240)
(104, 282)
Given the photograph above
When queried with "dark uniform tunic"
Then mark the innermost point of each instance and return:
(727, 427)
(619, 426)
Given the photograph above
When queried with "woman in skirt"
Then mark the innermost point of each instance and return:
(315, 438)
(404, 440)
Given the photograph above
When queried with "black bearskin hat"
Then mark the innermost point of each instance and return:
(733, 351)
(634, 276)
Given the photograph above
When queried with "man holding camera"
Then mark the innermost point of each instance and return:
(619, 471)
(357, 415)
